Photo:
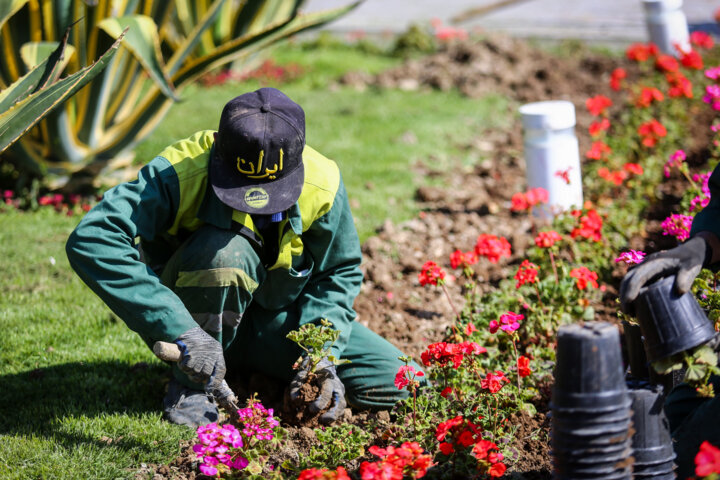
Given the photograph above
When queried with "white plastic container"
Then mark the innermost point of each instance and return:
(667, 25)
(550, 148)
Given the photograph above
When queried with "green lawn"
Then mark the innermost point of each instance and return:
(80, 394)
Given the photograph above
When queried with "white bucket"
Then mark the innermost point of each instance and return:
(667, 25)
(551, 147)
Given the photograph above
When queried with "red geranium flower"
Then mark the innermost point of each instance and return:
(523, 364)
(598, 151)
(590, 226)
(431, 274)
(707, 460)
(651, 132)
(564, 174)
(680, 86)
(634, 168)
(547, 239)
(462, 259)
(492, 247)
(692, 59)
(494, 381)
(639, 52)
(666, 63)
(584, 277)
(701, 40)
(598, 104)
(527, 273)
(596, 128)
(616, 78)
(647, 96)
(617, 177)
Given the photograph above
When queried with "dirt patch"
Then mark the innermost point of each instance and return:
(471, 201)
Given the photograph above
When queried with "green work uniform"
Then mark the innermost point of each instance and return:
(209, 265)
(694, 419)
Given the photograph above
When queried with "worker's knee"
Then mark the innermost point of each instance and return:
(211, 247)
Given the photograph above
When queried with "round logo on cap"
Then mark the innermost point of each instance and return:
(256, 197)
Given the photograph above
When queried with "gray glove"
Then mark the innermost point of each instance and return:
(202, 358)
(684, 261)
(332, 391)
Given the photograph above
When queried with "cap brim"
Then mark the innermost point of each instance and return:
(260, 198)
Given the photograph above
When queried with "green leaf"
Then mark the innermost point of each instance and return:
(8, 8)
(667, 365)
(144, 43)
(22, 116)
(695, 373)
(193, 37)
(706, 356)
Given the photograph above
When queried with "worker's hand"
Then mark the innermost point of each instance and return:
(332, 391)
(684, 261)
(202, 359)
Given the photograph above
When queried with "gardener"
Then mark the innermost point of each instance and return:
(693, 419)
(242, 235)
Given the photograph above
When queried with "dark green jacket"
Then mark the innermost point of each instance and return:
(318, 265)
(708, 219)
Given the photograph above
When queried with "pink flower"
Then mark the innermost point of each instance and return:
(508, 322)
(678, 226)
(492, 247)
(707, 460)
(675, 161)
(631, 257)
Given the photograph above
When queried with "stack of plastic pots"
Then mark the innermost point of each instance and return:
(652, 443)
(591, 417)
(670, 323)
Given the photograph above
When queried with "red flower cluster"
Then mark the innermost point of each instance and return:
(680, 86)
(494, 381)
(489, 458)
(525, 201)
(527, 273)
(324, 474)
(598, 151)
(584, 277)
(596, 128)
(598, 104)
(406, 375)
(616, 78)
(633, 168)
(547, 239)
(564, 174)
(407, 460)
(651, 132)
(616, 176)
(463, 259)
(442, 353)
(431, 274)
(666, 63)
(456, 434)
(707, 460)
(492, 247)
(692, 59)
(647, 96)
(590, 225)
(701, 40)
(523, 365)
(640, 52)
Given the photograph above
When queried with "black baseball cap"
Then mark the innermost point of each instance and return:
(256, 164)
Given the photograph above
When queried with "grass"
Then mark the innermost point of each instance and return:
(80, 394)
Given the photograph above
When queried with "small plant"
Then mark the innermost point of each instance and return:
(700, 364)
(337, 445)
(316, 341)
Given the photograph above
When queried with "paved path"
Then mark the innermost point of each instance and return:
(598, 21)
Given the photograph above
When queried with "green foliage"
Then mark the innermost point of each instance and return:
(414, 41)
(169, 44)
(337, 446)
(316, 341)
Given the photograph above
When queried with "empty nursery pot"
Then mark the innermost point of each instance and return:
(622, 412)
(588, 460)
(619, 474)
(652, 441)
(589, 370)
(562, 441)
(574, 471)
(579, 429)
(657, 469)
(670, 323)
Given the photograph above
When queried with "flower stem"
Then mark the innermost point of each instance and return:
(552, 262)
(516, 363)
(452, 304)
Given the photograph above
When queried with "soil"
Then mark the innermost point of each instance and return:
(470, 202)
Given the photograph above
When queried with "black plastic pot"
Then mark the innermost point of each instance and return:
(589, 371)
(619, 474)
(578, 429)
(670, 323)
(635, 350)
(652, 441)
(591, 460)
(657, 469)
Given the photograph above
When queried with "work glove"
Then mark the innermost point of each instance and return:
(332, 390)
(202, 359)
(684, 261)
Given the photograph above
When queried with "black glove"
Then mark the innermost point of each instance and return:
(684, 261)
(202, 359)
(332, 390)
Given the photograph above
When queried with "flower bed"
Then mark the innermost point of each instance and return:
(476, 287)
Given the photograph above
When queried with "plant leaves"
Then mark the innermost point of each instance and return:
(695, 372)
(706, 356)
(8, 8)
(23, 115)
(143, 42)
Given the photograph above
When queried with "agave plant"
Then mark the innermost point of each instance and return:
(166, 47)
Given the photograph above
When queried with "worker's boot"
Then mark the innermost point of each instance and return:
(185, 406)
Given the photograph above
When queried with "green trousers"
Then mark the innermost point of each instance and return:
(693, 420)
(214, 273)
